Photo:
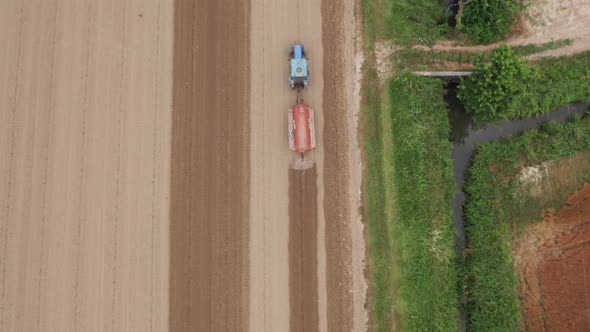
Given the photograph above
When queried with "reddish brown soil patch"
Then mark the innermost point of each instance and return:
(552, 259)
(303, 244)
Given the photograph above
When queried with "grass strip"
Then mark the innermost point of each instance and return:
(421, 217)
(417, 21)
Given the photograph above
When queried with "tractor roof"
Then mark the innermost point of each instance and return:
(298, 68)
(298, 51)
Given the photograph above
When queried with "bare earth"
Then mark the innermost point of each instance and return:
(552, 259)
(209, 193)
(303, 250)
(273, 26)
(145, 170)
(85, 110)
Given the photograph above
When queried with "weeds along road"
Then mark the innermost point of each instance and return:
(85, 90)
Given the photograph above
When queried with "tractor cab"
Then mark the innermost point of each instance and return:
(298, 72)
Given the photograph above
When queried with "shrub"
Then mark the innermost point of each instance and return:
(510, 88)
(486, 21)
(500, 90)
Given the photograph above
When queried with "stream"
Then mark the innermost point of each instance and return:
(466, 136)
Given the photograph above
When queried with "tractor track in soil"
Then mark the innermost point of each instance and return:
(303, 283)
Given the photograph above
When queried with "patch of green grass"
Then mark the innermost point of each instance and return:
(370, 17)
(418, 159)
(529, 49)
(562, 81)
(487, 21)
(408, 194)
(417, 21)
(493, 212)
(379, 223)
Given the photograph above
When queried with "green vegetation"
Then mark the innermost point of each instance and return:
(379, 223)
(423, 188)
(411, 234)
(417, 21)
(509, 87)
(487, 21)
(425, 21)
(370, 28)
(494, 211)
(529, 49)
(408, 188)
(500, 90)
(417, 59)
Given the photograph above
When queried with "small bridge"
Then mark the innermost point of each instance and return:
(447, 75)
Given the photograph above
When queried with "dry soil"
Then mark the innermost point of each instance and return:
(303, 283)
(209, 181)
(85, 104)
(553, 264)
(274, 25)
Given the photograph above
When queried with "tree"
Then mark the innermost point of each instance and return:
(502, 89)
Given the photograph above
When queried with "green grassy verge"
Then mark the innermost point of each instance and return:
(411, 235)
(425, 21)
(487, 21)
(562, 81)
(493, 212)
(379, 223)
(411, 22)
(423, 188)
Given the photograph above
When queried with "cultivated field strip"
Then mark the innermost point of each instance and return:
(209, 184)
(303, 251)
(85, 145)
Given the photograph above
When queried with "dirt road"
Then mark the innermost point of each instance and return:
(84, 143)
(320, 27)
(274, 25)
(209, 193)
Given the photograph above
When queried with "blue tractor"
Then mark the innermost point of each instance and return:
(298, 71)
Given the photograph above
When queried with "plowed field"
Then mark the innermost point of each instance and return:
(85, 103)
(209, 184)
(553, 261)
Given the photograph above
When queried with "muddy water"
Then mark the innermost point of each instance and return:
(466, 136)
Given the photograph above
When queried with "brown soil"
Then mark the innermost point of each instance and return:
(303, 282)
(336, 183)
(209, 188)
(552, 259)
(85, 108)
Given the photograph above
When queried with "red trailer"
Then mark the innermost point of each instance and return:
(301, 129)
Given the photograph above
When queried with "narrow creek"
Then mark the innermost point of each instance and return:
(466, 136)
